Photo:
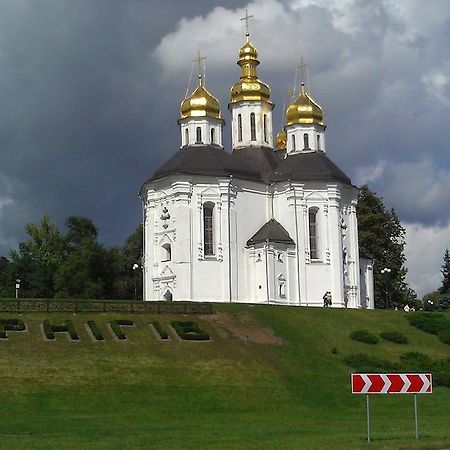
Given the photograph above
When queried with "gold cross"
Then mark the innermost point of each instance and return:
(303, 67)
(199, 60)
(246, 22)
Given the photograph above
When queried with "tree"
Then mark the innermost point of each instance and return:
(382, 238)
(445, 288)
(38, 258)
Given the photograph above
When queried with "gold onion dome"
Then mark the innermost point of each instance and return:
(201, 103)
(304, 110)
(281, 140)
(249, 87)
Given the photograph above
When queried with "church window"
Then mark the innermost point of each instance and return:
(252, 127)
(213, 136)
(168, 297)
(186, 137)
(293, 142)
(166, 252)
(199, 135)
(306, 141)
(239, 128)
(208, 232)
(265, 127)
(313, 236)
(318, 142)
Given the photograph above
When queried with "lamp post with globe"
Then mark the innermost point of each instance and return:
(135, 268)
(386, 272)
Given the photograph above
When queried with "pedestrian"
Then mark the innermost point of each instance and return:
(327, 299)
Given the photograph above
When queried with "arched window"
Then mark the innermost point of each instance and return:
(166, 252)
(252, 127)
(306, 141)
(318, 142)
(208, 231)
(168, 297)
(293, 142)
(313, 235)
(186, 137)
(265, 127)
(239, 128)
(199, 135)
(213, 136)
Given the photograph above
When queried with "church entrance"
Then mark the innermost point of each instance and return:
(168, 297)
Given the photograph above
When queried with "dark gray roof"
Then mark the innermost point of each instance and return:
(271, 231)
(314, 166)
(253, 163)
(205, 160)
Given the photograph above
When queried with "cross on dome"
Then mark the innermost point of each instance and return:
(246, 18)
(199, 60)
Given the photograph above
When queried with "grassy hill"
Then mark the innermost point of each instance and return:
(267, 380)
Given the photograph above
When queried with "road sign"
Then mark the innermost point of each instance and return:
(391, 383)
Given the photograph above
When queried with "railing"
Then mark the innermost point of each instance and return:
(78, 306)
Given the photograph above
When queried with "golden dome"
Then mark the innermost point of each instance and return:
(304, 110)
(201, 103)
(249, 87)
(281, 140)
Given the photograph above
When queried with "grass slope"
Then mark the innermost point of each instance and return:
(243, 390)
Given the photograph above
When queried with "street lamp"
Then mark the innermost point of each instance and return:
(386, 273)
(17, 287)
(135, 267)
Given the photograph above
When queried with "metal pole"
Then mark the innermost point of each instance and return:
(416, 416)
(368, 419)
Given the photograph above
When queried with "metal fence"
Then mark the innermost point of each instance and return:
(79, 306)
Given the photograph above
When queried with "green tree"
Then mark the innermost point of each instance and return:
(38, 258)
(382, 238)
(445, 288)
(86, 271)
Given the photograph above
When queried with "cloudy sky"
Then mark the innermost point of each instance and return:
(90, 89)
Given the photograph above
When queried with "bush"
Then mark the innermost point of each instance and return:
(160, 330)
(433, 323)
(394, 336)
(441, 372)
(190, 331)
(95, 330)
(364, 336)
(415, 362)
(334, 350)
(66, 327)
(10, 325)
(365, 363)
(444, 336)
(116, 327)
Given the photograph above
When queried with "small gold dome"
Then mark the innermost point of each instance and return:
(249, 87)
(281, 140)
(201, 103)
(304, 110)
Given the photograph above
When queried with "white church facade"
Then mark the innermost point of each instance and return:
(267, 223)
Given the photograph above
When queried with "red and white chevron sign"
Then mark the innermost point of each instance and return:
(391, 383)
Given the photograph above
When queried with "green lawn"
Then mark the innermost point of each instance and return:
(243, 390)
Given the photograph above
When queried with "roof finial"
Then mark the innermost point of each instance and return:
(246, 18)
(304, 73)
(199, 60)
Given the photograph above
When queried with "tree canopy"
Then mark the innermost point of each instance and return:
(382, 238)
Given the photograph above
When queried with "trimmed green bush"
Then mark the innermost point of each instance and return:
(415, 362)
(190, 331)
(365, 363)
(66, 327)
(394, 336)
(429, 322)
(334, 351)
(10, 325)
(441, 372)
(95, 330)
(116, 327)
(364, 336)
(160, 330)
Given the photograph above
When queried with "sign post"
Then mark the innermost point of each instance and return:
(392, 383)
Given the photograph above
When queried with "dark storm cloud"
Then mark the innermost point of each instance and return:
(83, 117)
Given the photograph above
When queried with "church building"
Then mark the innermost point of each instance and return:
(265, 223)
